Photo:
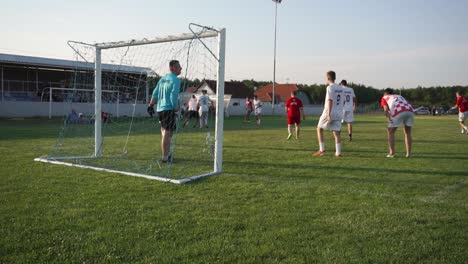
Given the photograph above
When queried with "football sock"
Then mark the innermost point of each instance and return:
(338, 148)
(322, 147)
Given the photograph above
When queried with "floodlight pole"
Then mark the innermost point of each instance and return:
(274, 57)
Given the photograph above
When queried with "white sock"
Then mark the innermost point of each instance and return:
(466, 128)
(338, 148)
(322, 147)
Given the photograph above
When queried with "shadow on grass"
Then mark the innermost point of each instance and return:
(42, 128)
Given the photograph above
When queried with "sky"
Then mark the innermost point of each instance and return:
(381, 43)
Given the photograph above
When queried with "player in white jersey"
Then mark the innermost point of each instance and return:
(349, 107)
(203, 101)
(258, 110)
(332, 115)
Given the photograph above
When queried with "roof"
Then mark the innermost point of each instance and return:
(191, 89)
(67, 64)
(234, 88)
(282, 92)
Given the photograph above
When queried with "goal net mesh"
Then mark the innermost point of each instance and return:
(131, 139)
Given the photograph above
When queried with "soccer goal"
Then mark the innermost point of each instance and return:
(129, 143)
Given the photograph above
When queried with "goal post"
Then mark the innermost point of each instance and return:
(201, 58)
(218, 165)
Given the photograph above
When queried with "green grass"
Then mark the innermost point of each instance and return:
(273, 203)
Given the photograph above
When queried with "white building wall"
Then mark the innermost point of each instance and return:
(41, 109)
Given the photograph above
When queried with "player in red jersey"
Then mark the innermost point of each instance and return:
(398, 111)
(248, 110)
(462, 105)
(294, 110)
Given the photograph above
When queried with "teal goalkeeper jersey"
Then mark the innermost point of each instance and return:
(166, 92)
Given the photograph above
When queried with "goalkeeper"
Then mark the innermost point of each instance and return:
(166, 94)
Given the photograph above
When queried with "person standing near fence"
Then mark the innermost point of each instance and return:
(192, 111)
(203, 102)
(248, 110)
(462, 105)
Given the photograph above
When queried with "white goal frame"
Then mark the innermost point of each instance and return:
(219, 126)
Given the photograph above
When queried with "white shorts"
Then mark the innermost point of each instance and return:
(334, 125)
(462, 116)
(348, 116)
(405, 118)
(258, 111)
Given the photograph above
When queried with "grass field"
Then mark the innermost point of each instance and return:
(274, 203)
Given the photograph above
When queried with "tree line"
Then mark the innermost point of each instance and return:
(439, 96)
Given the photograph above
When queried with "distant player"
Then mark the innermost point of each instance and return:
(203, 102)
(192, 110)
(332, 115)
(398, 112)
(166, 94)
(349, 107)
(248, 110)
(462, 105)
(294, 110)
(258, 110)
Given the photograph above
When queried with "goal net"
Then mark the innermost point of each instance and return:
(119, 136)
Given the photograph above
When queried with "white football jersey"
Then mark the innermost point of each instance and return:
(257, 103)
(336, 94)
(348, 98)
(192, 104)
(203, 102)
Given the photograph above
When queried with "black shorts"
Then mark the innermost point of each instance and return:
(192, 114)
(168, 120)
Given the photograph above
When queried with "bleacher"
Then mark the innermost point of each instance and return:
(21, 96)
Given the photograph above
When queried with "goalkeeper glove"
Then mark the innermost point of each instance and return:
(150, 110)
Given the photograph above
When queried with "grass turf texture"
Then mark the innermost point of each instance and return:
(273, 203)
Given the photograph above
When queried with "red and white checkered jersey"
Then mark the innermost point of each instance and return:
(396, 104)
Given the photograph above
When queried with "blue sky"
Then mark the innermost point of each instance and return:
(374, 42)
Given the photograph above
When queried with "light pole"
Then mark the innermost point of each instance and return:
(274, 57)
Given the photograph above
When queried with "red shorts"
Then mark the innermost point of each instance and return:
(294, 120)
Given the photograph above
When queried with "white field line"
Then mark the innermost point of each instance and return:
(439, 195)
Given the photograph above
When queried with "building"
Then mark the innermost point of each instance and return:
(48, 82)
(26, 78)
(235, 94)
(282, 93)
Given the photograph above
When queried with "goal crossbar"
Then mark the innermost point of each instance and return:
(145, 41)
